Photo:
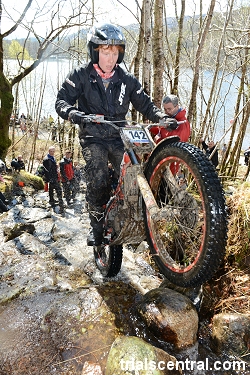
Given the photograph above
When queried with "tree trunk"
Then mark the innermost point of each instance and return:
(6, 106)
(192, 110)
(147, 55)
(138, 56)
(158, 56)
(178, 49)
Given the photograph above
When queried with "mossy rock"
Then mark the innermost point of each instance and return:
(20, 179)
(132, 355)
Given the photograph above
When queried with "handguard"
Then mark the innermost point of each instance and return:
(77, 117)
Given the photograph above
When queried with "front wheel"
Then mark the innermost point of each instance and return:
(188, 241)
(108, 259)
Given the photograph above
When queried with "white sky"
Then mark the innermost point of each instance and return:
(110, 11)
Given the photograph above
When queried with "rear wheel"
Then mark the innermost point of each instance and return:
(108, 259)
(188, 240)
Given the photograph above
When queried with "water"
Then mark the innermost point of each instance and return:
(54, 73)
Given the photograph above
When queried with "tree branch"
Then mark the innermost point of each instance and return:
(17, 23)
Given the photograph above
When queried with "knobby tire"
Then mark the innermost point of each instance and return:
(188, 245)
(109, 259)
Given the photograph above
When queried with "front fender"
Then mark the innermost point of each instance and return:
(162, 143)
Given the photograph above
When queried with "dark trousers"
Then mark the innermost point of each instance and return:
(69, 190)
(55, 186)
(3, 207)
(97, 155)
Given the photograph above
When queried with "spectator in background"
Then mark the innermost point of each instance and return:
(52, 177)
(173, 110)
(53, 129)
(209, 148)
(247, 155)
(22, 122)
(223, 151)
(51, 120)
(67, 176)
(3, 201)
(2, 167)
(18, 163)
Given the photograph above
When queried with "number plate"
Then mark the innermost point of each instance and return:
(136, 135)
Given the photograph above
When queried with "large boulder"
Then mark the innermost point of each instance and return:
(170, 316)
(231, 333)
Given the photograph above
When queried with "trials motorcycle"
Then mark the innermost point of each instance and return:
(184, 224)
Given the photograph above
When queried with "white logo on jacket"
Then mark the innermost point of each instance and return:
(122, 93)
(139, 91)
(70, 82)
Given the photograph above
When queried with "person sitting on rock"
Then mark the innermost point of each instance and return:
(18, 163)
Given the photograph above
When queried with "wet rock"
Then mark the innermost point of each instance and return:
(17, 230)
(171, 316)
(132, 355)
(31, 215)
(44, 229)
(28, 266)
(194, 293)
(62, 229)
(231, 333)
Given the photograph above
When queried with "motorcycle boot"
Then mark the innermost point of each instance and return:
(96, 216)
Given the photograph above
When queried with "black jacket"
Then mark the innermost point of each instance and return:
(50, 173)
(84, 85)
(215, 157)
(18, 164)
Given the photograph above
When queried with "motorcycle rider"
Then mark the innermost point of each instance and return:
(102, 87)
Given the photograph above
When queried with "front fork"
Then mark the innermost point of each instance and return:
(156, 213)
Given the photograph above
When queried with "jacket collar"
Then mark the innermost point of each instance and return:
(119, 73)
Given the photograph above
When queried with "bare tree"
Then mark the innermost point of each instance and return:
(192, 110)
(205, 126)
(178, 47)
(46, 46)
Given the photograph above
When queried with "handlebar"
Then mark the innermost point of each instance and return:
(100, 119)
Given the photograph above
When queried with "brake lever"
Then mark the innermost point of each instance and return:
(93, 118)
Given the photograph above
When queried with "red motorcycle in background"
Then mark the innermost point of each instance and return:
(170, 195)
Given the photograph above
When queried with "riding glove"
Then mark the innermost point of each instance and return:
(77, 117)
(170, 123)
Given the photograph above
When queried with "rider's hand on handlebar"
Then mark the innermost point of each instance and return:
(77, 117)
(170, 123)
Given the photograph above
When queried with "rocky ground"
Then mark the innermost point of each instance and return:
(57, 313)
